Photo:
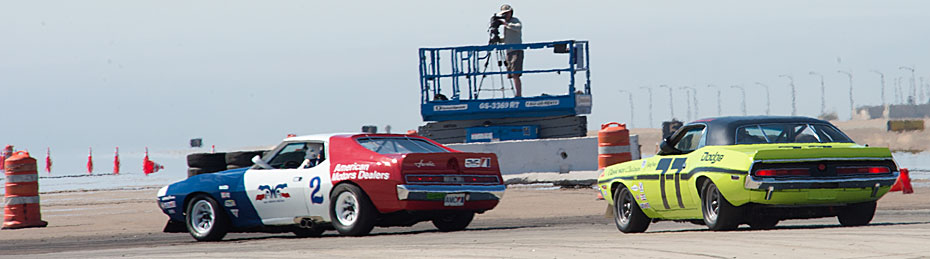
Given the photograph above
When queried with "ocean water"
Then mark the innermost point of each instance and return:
(71, 174)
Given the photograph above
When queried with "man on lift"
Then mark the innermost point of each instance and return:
(513, 35)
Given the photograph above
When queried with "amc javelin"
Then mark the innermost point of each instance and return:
(350, 182)
(727, 171)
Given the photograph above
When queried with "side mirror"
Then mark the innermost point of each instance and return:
(257, 159)
(666, 149)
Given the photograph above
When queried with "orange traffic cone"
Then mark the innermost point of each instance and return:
(903, 183)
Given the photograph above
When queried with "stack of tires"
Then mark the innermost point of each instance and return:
(205, 163)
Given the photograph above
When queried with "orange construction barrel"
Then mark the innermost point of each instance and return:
(22, 193)
(613, 145)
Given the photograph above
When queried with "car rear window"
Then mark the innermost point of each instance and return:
(399, 145)
(789, 133)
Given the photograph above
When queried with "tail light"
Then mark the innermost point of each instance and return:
(863, 170)
(784, 172)
(424, 179)
(481, 179)
(452, 179)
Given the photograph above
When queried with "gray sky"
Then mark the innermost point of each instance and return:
(237, 73)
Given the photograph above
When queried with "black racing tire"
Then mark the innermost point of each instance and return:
(858, 214)
(454, 221)
(719, 214)
(241, 158)
(192, 171)
(206, 220)
(351, 210)
(207, 160)
(627, 214)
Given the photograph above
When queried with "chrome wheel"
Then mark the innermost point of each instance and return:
(346, 208)
(625, 208)
(712, 203)
(202, 216)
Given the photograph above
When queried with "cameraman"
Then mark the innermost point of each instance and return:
(513, 35)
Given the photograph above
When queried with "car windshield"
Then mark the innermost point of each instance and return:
(789, 133)
(399, 145)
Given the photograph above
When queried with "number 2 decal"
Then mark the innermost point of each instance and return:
(315, 185)
(665, 164)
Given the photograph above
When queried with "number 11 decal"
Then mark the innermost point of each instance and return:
(664, 165)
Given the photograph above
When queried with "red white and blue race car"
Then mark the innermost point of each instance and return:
(349, 182)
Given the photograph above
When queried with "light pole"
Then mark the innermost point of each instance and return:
(671, 104)
(897, 90)
(718, 98)
(852, 109)
(743, 91)
(913, 96)
(692, 96)
(650, 103)
(794, 103)
(768, 103)
(823, 94)
(884, 104)
(631, 105)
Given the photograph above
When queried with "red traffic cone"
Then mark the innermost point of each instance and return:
(903, 183)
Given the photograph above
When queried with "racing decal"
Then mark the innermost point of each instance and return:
(664, 165)
(712, 158)
(357, 171)
(424, 164)
(634, 188)
(224, 195)
(477, 162)
(235, 212)
(641, 187)
(230, 203)
(224, 187)
(315, 186)
(644, 205)
(642, 197)
(270, 194)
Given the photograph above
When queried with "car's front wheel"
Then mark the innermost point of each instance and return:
(719, 214)
(627, 214)
(205, 219)
(858, 214)
(351, 210)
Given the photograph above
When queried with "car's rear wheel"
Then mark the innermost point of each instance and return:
(351, 210)
(719, 214)
(205, 219)
(454, 221)
(627, 214)
(857, 214)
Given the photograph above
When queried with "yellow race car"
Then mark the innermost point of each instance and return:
(727, 171)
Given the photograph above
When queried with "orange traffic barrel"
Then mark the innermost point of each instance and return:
(22, 193)
(613, 145)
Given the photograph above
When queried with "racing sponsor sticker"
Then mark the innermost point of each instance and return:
(224, 195)
(634, 188)
(230, 203)
(235, 212)
(477, 162)
(641, 187)
(224, 187)
(452, 107)
(642, 196)
(351, 167)
(644, 205)
(272, 194)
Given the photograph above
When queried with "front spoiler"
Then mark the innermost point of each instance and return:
(437, 192)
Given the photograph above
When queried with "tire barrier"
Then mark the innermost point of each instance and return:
(204, 163)
(903, 184)
(613, 145)
(239, 159)
(22, 193)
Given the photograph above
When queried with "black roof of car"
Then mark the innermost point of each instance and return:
(721, 130)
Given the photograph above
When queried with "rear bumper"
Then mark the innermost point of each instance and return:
(438, 192)
(767, 183)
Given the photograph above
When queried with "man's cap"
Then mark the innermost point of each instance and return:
(504, 9)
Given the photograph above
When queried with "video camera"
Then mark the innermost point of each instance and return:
(493, 31)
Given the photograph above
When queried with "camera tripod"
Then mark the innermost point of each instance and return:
(501, 62)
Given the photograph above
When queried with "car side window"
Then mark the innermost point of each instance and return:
(290, 157)
(690, 140)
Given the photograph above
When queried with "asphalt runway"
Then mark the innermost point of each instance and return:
(531, 224)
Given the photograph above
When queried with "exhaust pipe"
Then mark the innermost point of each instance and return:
(306, 223)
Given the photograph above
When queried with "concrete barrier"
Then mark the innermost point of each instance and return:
(561, 155)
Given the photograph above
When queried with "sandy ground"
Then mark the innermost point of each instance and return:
(528, 223)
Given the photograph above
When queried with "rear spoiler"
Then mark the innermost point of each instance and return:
(789, 154)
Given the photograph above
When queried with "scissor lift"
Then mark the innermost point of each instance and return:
(448, 116)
